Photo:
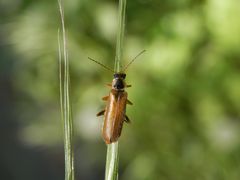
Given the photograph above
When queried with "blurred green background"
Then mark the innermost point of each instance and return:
(185, 88)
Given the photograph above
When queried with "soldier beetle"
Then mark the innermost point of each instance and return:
(115, 110)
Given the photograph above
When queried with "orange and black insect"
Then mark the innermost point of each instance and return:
(115, 110)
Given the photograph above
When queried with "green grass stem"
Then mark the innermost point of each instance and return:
(120, 34)
(111, 171)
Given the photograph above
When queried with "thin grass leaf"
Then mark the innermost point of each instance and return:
(65, 104)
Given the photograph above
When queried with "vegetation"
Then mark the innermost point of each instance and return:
(185, 88)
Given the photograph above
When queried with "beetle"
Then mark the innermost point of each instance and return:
(115, 110)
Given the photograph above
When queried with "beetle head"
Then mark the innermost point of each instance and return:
(119, 75)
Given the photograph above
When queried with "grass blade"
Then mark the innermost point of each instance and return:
(65, 104)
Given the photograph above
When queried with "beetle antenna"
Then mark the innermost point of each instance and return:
(133, 60)
(101, 64)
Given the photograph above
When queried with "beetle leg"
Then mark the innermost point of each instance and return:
(101, 113)
(109, 84)
(105, 98)
(128, 85)
(129, 102)
(127, 120)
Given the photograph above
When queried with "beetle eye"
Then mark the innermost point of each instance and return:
(115, 76)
